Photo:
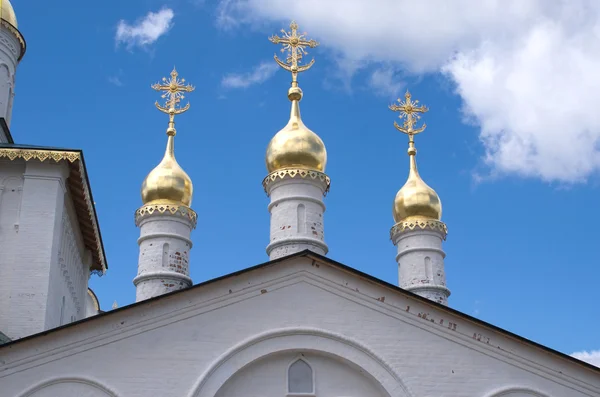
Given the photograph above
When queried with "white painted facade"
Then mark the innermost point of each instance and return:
(297, 210)
(240, 336)
(165, 245)
(421, 258)
(45, 287)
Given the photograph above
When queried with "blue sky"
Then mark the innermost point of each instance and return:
(512, 144)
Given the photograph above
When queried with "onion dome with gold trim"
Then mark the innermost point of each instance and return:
(168, 183)
(7, 13)
(295, 146)
(415, 200)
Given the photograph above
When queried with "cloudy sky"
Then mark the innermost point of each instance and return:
(512, 145)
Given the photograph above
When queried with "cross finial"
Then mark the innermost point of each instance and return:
(174, 88)
(411, 112)
(295, 44)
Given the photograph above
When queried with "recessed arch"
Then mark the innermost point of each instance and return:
(91, 384)
(509, 391)
(299, 339)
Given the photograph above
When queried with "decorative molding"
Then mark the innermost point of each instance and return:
(71, 157)
(296, 173)
(93, 384)
(19, 37)
(423, 224)
(294, 339)
(38, 154)
(507, 391)
(176, 210)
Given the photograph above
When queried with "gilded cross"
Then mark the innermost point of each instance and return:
(174, 89)
(409, 111)
(296, 45)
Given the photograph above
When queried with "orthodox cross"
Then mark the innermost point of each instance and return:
(411, 112)
(296, 46)
(174, 89)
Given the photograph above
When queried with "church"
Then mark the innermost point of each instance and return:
(300, 324)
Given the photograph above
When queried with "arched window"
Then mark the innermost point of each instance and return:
(300, 378)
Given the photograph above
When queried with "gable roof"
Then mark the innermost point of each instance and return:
(325, 260)
(79, 187)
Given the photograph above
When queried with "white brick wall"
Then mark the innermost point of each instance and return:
(421, 263)
(163, 264)
(372, 339)
(297, 210)
(41, 251)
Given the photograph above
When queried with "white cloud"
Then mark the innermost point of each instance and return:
(259, 74)
(526, 69)
(146, 30)
(591, 357)
(115, 80)
(384, 81)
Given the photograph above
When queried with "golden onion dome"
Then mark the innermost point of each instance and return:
(296, 146)
(7, 13)
(416, 199)
(168, 183)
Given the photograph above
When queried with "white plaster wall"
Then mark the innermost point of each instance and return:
(421, 263)
(40, 250)
(177, 345)
(331, 378)
(9, 52)
(297, 210)
(163, 264)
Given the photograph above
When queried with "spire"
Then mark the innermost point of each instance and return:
(415, 199)
(168, 183)
(296, 160)
(418, 233)
(166, 219)
(295, 146)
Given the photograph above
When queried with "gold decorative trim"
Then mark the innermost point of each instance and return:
(37, 154)
(177, 210)
(19, 36)
(422, 224)
(71, 157)
(296, 172)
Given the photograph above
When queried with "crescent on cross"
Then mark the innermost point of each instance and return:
(295, 45)
(411, 112)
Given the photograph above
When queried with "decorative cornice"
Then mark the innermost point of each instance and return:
(176, 210)
(19, 37)
(71, 157)
(296, 173)
(37, 154)
(423, 224)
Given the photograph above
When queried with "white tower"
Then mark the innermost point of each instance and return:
(418, 233)
(12, 50)
(166, 219)
(296, 159)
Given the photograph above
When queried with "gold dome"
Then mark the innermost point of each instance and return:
(167, 183)
(7, 13)
(295, 146)
(415, 199)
